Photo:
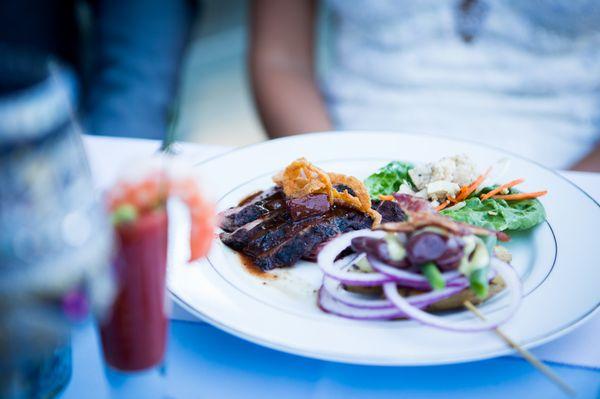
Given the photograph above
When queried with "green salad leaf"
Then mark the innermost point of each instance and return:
(388, 179)
(499, 214)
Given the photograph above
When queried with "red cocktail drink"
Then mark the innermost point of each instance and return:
(134, 335)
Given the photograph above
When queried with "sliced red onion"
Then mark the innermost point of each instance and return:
(335, 289)
(414, 280)
(386, 273)
(424, 300)
(327, 256)
(513, 285)
(328, 304)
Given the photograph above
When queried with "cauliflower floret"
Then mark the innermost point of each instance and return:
(458, 169)
(465, 171)
(443, 169)
(439, 190)
(420, 176)
(443, 178)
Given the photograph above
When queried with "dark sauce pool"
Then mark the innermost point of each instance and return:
(254, 270)
(250, 197)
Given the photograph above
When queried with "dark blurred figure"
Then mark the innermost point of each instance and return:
(126, 53)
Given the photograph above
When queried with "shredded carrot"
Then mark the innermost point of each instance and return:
(442, 205)
(500, 188)
(465, 191)
(459, 194)
(521, 196)
(386, 197)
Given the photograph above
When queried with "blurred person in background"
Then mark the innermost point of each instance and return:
(521, 75)
(127, 55)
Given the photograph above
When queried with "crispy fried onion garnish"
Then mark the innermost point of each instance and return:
(361, 200)
(418, 220)
(301, 178)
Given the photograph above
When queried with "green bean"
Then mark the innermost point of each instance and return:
(478, 280)
(433, 275)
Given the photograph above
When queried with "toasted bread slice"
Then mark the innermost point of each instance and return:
(456, 301)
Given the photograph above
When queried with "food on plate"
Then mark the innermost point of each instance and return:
(388, 179)
(422, 218)
(409, 241)
(443, 254)
(408, 269)
(499, 214)
(308, 207)
(444, 178)
(301, 178)
(454, 188)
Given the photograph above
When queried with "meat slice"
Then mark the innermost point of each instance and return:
(288, 244)
(243, 235)
(278, 241)
(258, 206)
(390, 211)
(293, 248)
(310, 205)
(264, 230)
(410, 203)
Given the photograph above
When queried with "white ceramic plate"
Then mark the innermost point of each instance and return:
(557, 261)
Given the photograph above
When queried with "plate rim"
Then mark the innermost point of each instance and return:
(338, 358)
(348, 359)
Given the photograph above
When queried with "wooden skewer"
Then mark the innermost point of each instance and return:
(552, 376)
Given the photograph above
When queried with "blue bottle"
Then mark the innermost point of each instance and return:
(55, 241)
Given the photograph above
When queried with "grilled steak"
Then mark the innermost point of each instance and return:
(389, 211)
(310, 205)
(273, 233)
(259, 205)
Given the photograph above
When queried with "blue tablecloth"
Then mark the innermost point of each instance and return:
(204, 362)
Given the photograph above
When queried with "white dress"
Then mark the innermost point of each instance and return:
(528, 81)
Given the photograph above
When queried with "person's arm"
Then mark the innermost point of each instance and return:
(281, 61)
(589, 163)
